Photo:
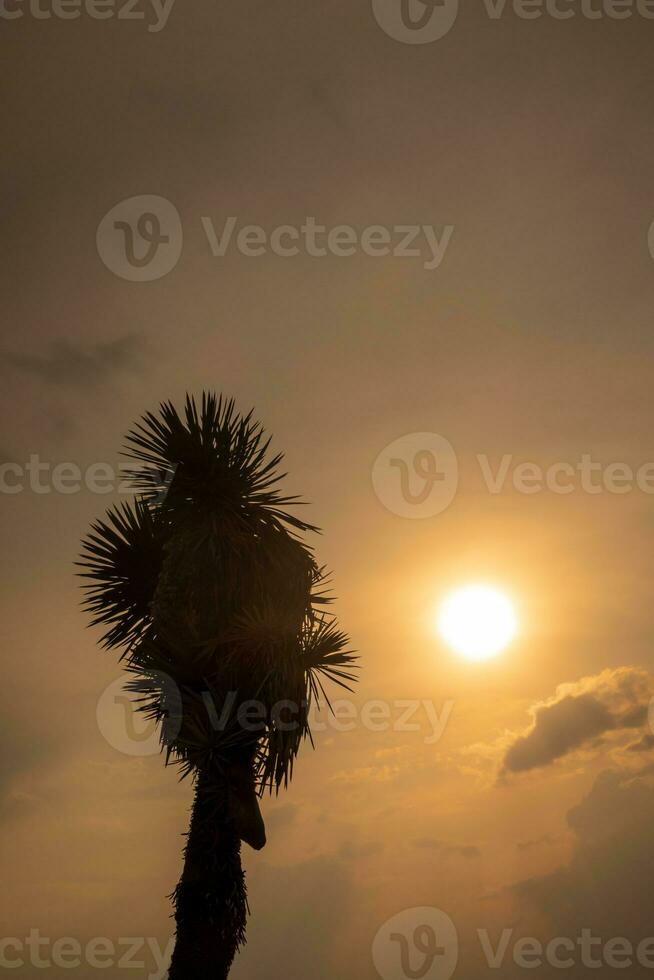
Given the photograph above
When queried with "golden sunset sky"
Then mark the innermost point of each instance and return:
(533, 810)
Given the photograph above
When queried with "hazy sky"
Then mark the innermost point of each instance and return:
(530, 338)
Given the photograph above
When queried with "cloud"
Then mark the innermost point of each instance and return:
(645, 744)
(351, 851)
(21, 755)
(69, 364)
(461, 850)
(607, 884)
(299, 911)
(580, 714)
(528, 845)
(366, 774)
(281, 816)
(604, 889)
(27, 751)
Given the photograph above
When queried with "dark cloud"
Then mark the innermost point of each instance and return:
(21, 754)
(73, 365)
(528, 845)
(351, 851)
(29, 747)
(604, 889)
(578, 715)
(607, 884)
(281, 816)
(645, 744)
(558, 728)
(462, 850)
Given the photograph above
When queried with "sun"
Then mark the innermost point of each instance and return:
(477, 621)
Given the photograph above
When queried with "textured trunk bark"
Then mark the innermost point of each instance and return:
(210, 899)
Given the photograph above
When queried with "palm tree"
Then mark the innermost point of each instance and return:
(218, 606)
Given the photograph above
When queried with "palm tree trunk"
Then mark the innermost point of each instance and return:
(210, 899)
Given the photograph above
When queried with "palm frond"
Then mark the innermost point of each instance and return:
(325, 654)
(211, 458)
(122, 558)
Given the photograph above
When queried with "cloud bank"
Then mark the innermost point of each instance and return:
(580, 714)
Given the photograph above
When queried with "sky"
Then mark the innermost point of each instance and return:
(508, 800)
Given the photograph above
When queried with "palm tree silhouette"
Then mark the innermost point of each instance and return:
(219, 608)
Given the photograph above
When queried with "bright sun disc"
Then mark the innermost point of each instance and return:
(477, 621)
